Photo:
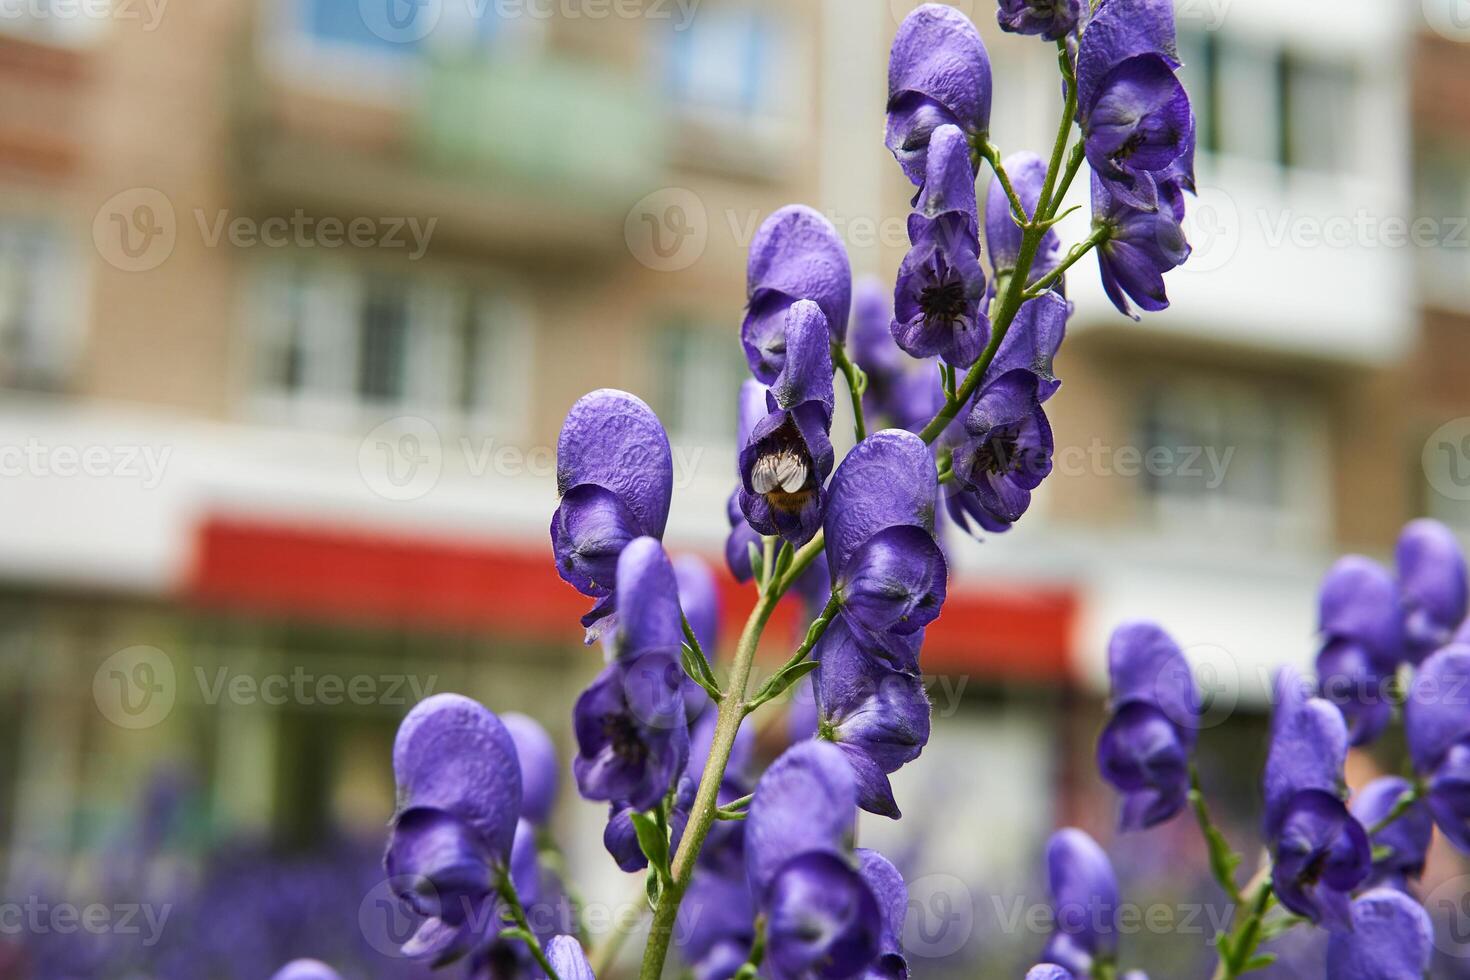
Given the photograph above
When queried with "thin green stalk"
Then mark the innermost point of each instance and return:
(700, 659)
(857, 383)
(1400, 807)
(512, 901)
(990, 153)
(706, 798)
(1074, 253)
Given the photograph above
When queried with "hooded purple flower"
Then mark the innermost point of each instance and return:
(1407, 838)
(888, 570)
(566, 957)
(536, 756)
(1358, 616)
(788, 456)
(716, 924)
(1135, 115)
(1141, 246)
(621, 839)
(938, 74)
(877, 716)
(1320, 852)
(1084, 894)
(1437, 724)
(615, 475)
(1032, 342)
(1052, 19)
(459, 799)
(750, 409)
(795, 255)
(1048, 971)
(938, 298)
(306, 970)
(1144, 750)
(1027, 172)
(1007, 448)
(632, 737)
(1391, 939)
(700, 599)
(888, 887)
(1432, 586)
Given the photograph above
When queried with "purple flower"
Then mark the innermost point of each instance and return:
(1391, 937)
(1139, 124)
(877, 716)
(822, 920)
(716, 924)
(938, 298)
(621, 839)
(788, 455)
(1032, 342)
(1144, 750)
(888, 571)
(1141, 246)
(1084, 894)
(615, 475)
(1432, 586)
(1358, 616)
(1006, 450)
(536, 756)
(1437, 725)
(806, 801)
(306, 970)
(566, 957)
(1320, 852)
(1052, 19)
(1048, 971)
(795, 255)
(632, 739)
(938, 74)
(648, 619)
(700, 599)
(750, 409)
(459, 800)
(1027, 172)
(888, 888)
(872, 344)
(1407, 838)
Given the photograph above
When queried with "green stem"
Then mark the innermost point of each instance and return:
(706, 798)
(1400, 807)
(990, 153)
(1247, 934)
(1223, 861)
(1074, 163)
(512, 901)
(857, 383)
(1075, 253)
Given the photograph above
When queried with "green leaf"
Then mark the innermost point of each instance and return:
(774, 687)
(653, 887)
(1382, 853)
(698, 671)
(757, 562)
(654, 844)
(1259, 962)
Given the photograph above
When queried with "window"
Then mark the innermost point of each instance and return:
(722, 62)
(37, 322)
(1319, 113)
(1235, 456)
(700, 370)
(334, 343)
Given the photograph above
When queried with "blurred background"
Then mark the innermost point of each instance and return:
(294, 295)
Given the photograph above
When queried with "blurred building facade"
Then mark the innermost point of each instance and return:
(293, 299)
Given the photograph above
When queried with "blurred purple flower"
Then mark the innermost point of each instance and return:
(1145, 747)
(1407, 838)
(1391, 937)
(566, 957)
(1432, 587)
(1052, 19)
(1358, 617)
(1027, 173)
(1084, 894)
(1437, 726)
(540, 771)
(306, 970)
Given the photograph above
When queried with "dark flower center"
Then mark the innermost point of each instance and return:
(783, 472)
(999, 455)
(623, 735)
(943, 302)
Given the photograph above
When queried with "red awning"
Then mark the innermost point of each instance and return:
(418, 581)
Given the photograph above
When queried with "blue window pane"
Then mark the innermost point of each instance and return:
(384, 26)
(721, 62)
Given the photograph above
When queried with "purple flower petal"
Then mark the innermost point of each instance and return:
(1407, 837)
(939, 295)
(536, 755)
(566, 957)
(1391, 939)
(895, 582)
(1027, 172)
(938, 73)
(1437, 714)
(1048, 971)
(716, 924)
(1052, 19)
(1358, 601)
(306, 970)
(1117, 31)
(1349, 675)
(822, 920)
(632, 739)
(1320, 855)
(887, 480)
(949, 181)
(1139, 124)
(1141, 754)
(1308, 747)
(1007, 449)
(1084, 898)
(1032, 342)
(1146, 666)
(589, 530)
(613, 440)
(806, 374)
(892, 894)
(1449, 795)
(454, 755)
(806, 801)
(1431, 570)
(648, 601)
(796, 254)
(873, 349)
